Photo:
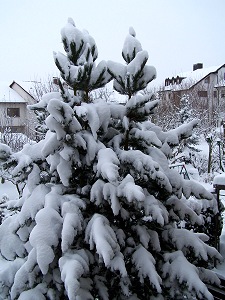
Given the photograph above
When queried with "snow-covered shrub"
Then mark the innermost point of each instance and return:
(98, 217)
(15, 141)
(3, 213)
(7, 207)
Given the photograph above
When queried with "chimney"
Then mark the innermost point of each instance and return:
(197, 66)
(55, 80)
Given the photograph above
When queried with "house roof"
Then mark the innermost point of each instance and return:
(192, 77)
(7, 94)
(27, 86)
(199, 74)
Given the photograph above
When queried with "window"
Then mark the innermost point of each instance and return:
(222, 93)
(215, 94)
(207, 79)
(17, 129)
(13, 112)
(177, 94)
(202, 93)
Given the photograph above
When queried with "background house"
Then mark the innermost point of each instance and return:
(14, 114)
(205, 86)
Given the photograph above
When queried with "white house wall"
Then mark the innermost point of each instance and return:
(13, 121)
(31, 120)
(221, 74)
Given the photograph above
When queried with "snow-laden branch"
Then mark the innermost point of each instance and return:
(186, 240)
(145, 167)
(145, 265)
(187, 274)
(99, 234)
(73, 265)
(183, 210)
(107, 165)
(72, 220)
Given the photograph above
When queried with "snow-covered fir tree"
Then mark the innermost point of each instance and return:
(98, 216)
(186, 111)
(187, 149)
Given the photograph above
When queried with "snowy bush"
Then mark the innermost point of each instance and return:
(3, 206)
(98, 218)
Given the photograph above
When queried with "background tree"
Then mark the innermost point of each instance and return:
(205, 104)
(39, 89)
(99, 216)
(6, 173)
(186, 151)
(43, 86)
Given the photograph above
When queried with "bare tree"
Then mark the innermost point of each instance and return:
(44, 86)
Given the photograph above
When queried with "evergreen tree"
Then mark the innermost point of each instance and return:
(186, 150)
(98, 217)
(135, 75)
(78, 66)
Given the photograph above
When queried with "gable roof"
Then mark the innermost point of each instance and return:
(191, 78)
(200, 74)
(26, 86)
(7, 94)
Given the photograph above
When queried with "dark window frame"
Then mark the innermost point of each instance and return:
(207, 79)
(13, 112)
(222, 93)
(203, 94)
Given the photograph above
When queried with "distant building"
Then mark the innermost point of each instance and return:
(205, 85)
(14, 114)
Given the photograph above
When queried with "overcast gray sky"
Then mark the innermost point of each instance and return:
(176, 33)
